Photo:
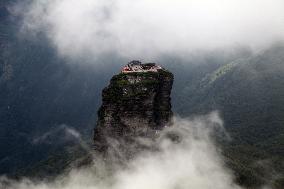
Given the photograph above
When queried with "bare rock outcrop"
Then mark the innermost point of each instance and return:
(133, 105)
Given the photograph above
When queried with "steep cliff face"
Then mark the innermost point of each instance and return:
(134, 104)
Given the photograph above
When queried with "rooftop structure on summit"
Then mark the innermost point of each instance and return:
(137, 66)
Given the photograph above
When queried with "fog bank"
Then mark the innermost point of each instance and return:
(193, 162)
(147, 28)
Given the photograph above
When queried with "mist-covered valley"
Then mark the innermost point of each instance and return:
(53, 71)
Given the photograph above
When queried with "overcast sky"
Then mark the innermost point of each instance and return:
(148, 28)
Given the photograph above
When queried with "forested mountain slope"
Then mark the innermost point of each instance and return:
(248, 93)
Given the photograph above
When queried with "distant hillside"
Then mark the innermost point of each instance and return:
(249, 95)
(40, 92)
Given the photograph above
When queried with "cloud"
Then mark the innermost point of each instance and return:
(47, 136)
(147, 28)
(62, 134)
(192, 162)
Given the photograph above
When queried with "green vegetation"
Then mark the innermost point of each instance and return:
(122, 82)
(222, 71)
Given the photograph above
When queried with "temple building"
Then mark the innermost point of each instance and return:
(137, 66)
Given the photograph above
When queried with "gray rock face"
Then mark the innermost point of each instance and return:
(134, 104)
